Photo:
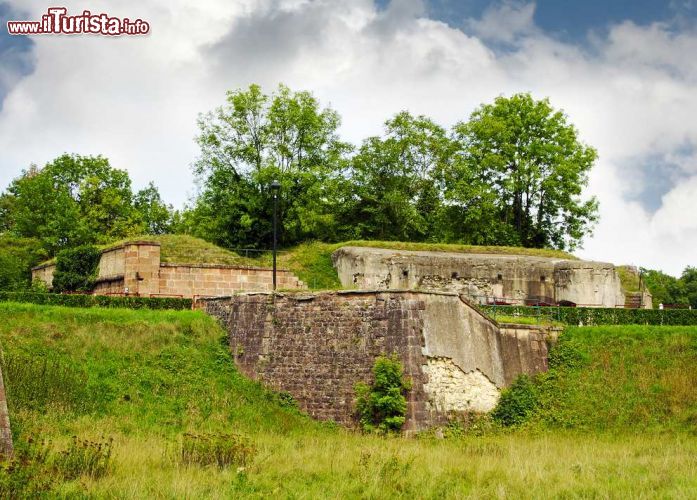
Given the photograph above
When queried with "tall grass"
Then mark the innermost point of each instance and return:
(154, 376)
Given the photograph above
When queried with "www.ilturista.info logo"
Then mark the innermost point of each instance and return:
(56, 21)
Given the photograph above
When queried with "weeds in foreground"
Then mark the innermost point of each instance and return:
(84, 458)
(23, 475)
(35, 468)
(220, 450)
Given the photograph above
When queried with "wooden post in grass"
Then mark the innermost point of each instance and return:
(6, 447)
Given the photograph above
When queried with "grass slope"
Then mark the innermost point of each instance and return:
(620, 379)
(145, 377)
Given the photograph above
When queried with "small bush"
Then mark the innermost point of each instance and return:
(84, 458)
(566, 355)
(517, 402)
(221, 450)
(382, 406)
(76, 269)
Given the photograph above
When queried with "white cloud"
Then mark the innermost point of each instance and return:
(632, 95)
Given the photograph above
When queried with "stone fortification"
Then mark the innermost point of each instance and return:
(318, 346)
(135, 268)
(512, 279)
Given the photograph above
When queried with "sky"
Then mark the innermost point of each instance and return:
(623, 71)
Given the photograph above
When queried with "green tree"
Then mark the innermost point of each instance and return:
(526, 167)
(17, 256)
(689, 282)
(250, 141)
(396, 195)
(665, 289)
(155, 215)
(76, 200)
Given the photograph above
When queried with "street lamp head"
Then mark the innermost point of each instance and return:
(275, 185)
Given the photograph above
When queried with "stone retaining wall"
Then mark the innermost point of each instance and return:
(318, 346)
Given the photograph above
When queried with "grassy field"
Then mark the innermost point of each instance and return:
(624, 402)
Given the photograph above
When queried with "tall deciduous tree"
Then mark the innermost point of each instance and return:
(253, 139)
(528, 165)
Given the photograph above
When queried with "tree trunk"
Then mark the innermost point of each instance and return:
(6, 448)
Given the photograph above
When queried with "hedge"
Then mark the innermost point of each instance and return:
(591, 316)
(56, 299)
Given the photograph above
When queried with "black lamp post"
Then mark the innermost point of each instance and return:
(275, 186)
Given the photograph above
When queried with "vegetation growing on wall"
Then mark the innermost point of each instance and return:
(596, 316)
(382, 406)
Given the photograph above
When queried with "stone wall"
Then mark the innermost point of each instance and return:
(482, 277)
(318, 346)
(212, 280)
(136, 268)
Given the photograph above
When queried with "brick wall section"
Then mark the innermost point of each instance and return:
(5, 432)
(216, 281)
(318, 346)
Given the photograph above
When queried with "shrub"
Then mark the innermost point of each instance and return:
(595, 316)
(221, 450)
(97, 300)
(382, 406)
(517, 402)
(76, 269)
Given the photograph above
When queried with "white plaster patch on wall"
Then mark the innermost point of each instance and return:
(449, 388)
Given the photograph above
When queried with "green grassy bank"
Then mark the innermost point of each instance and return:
(623, 399)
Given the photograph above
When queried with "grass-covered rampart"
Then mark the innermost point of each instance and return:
(162, 385)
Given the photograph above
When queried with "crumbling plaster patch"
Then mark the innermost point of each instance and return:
(449, 388)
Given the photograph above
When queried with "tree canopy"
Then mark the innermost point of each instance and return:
(513, 174)
(76, 200)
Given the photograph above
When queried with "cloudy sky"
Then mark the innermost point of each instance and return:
(624, 71)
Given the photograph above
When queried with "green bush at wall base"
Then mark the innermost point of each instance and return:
(382, 406)
(590, 316)
(55, 299)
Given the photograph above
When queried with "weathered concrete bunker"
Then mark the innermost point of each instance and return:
(483, 278)
(318, 346)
